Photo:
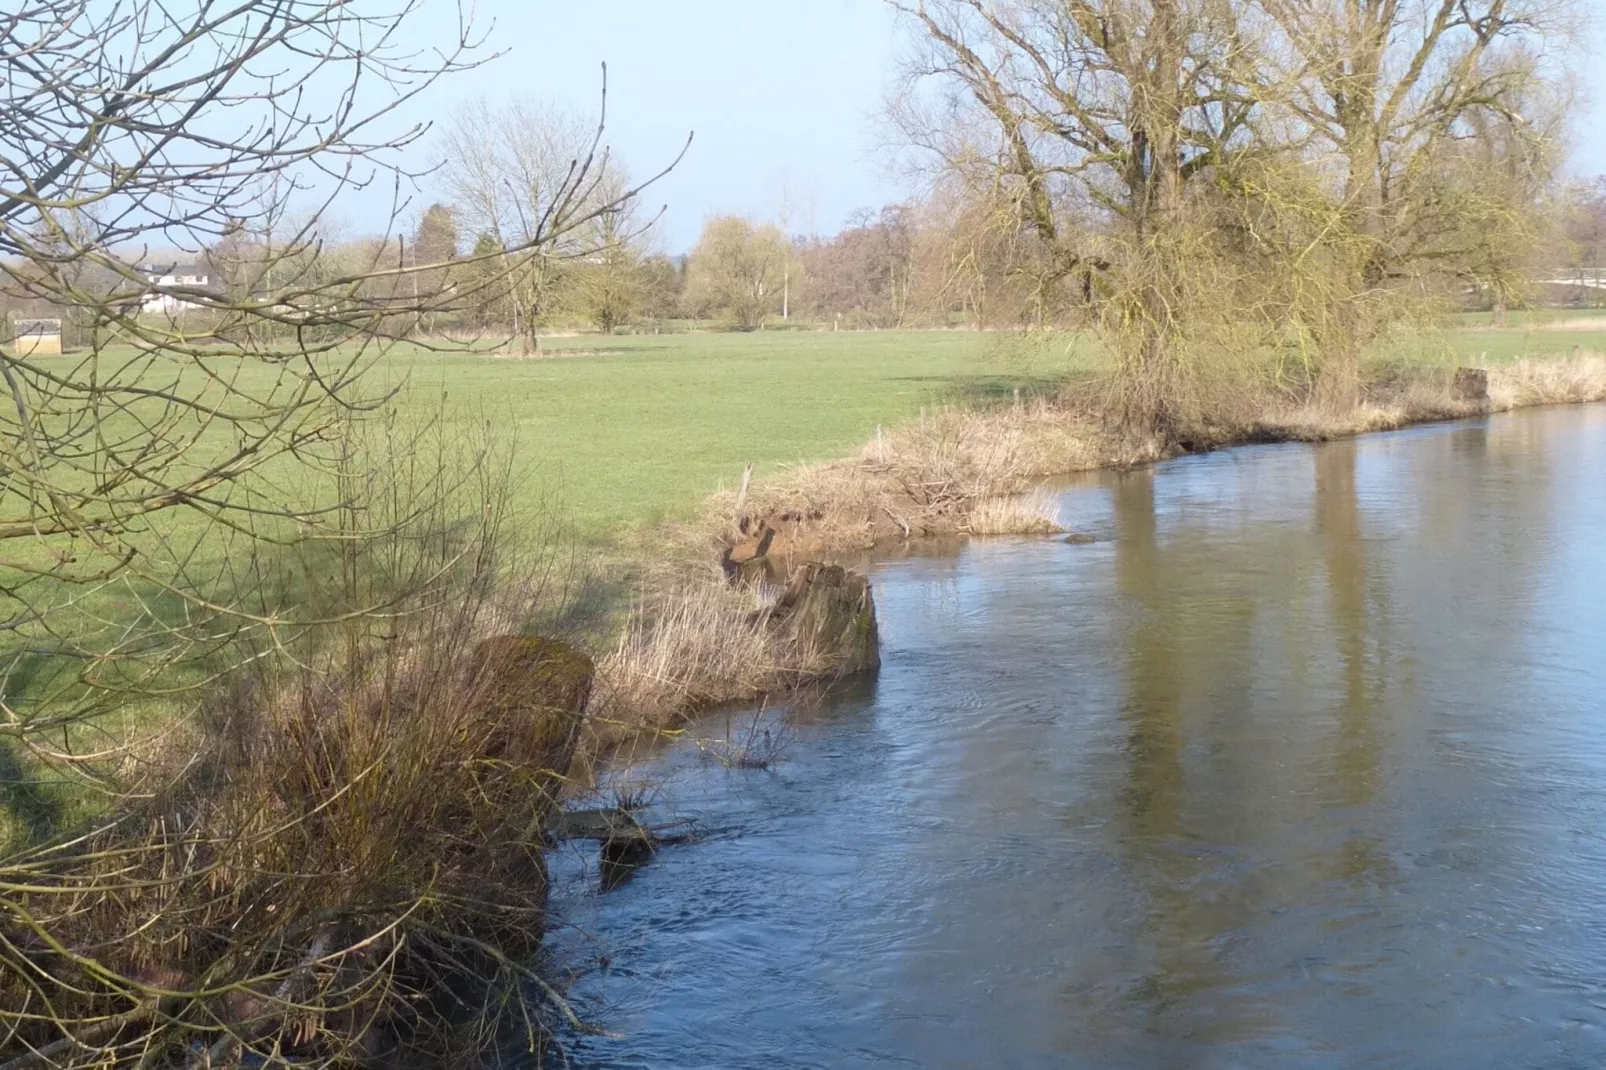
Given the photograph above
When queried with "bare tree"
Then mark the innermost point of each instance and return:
(608, 284)
(1097, 110)
(511, 172)
(503, 167)
(1581, 248)
(1501, 176)
(864, 272)
(1387, 90)
(131, 128)
(1304, 167)
(203, 432)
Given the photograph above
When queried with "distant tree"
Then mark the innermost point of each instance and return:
(738, 270)
(504, 168)
(1584, 225)
(863, 273)
(663, 287)
(435, 241)
(230, 258)
(510, 171)
(1500, 175)
(434, 247)
(487, 299)
(607, 287)
(1577, 245)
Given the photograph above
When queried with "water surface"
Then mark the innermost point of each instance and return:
(1302, 764)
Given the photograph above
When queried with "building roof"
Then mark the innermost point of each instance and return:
(163, 270)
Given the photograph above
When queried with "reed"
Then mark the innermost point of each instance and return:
(1033, 513)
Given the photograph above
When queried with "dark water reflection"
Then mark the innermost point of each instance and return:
(1303, 765)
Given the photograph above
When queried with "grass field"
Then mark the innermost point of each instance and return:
(638, 428)
(1541, 332)
(634, 429)
(617, 433)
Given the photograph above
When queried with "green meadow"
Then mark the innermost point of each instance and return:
(611, 434)
(629, 430)
(632, 429)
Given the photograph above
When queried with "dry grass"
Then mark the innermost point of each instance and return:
(693, 641)
(954, 471)
(1549, 382)
(349, 827)
(354, 839)
(926, 478)
(1034, 513)
(1426, 396)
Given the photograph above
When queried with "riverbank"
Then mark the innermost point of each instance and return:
(369, 781)
(694, 639)
(1297, 765)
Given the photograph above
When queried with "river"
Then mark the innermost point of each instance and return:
(1301, 764)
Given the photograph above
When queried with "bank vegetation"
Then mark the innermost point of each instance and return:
(290, 694)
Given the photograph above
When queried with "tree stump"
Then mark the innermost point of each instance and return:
(534, 692)
(832, 610)
(1470, 385)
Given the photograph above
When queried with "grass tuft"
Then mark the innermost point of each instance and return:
(1035, 513)
(691, 642)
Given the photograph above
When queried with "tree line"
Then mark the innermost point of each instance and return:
(1216, 188)
(1292, 179)
(951, 258)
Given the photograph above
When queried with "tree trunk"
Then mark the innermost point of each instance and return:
(831, 611)
(1338, 376)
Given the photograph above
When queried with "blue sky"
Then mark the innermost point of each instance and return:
(784, 98)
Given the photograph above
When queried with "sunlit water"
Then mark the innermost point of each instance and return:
(1302, 764)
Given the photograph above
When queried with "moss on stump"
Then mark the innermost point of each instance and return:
(536, 689)
(1470, 386)
(831, 610)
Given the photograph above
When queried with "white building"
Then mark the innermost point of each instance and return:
(180, 276)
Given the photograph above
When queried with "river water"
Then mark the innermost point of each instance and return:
(1303, 763)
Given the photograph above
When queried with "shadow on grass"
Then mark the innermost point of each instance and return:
(986, 389)
(609, 349)
(32, 808)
